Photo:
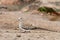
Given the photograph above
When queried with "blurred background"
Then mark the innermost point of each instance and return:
(17, 5)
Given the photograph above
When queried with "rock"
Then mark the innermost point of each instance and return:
(18, 35)
(9, 2)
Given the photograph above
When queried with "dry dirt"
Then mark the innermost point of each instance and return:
(9, 22)
(9, 29)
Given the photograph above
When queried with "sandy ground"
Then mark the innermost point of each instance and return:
(41, 35)
(9, 30)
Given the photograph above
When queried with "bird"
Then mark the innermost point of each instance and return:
(21, 25)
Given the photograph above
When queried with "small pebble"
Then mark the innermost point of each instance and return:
(28, 39)
(18, 35)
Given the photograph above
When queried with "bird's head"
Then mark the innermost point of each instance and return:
(20, 19)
